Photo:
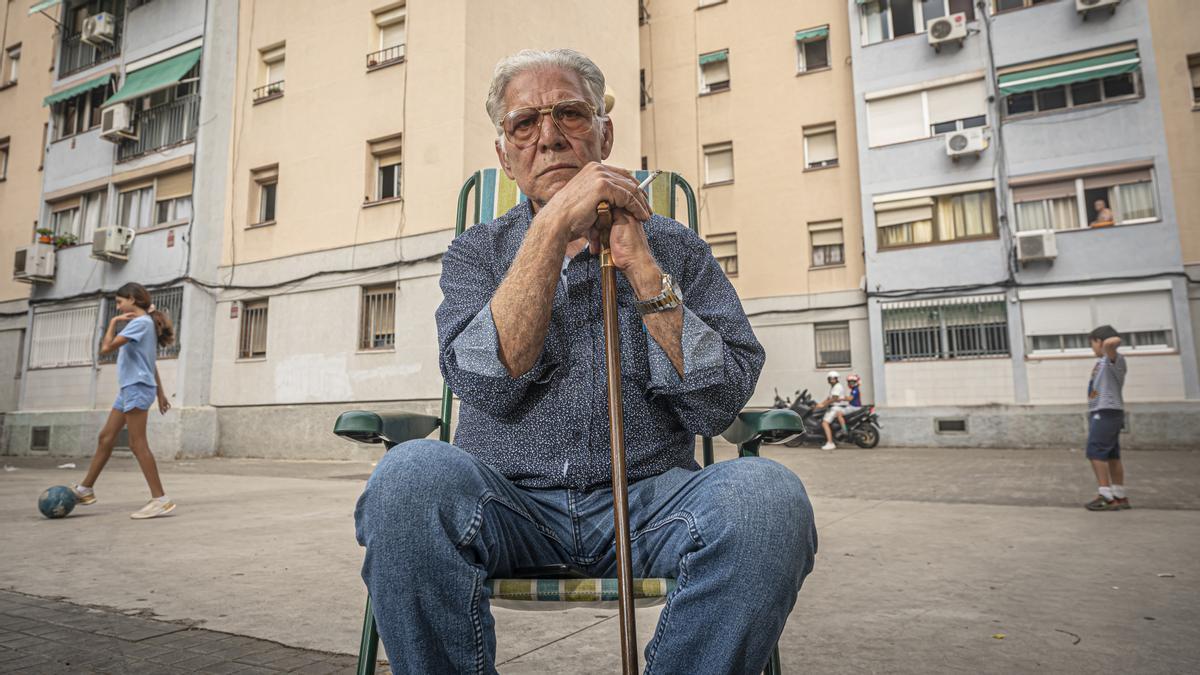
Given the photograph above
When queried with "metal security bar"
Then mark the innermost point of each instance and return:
(167, 300)
(161, 127)
(377, 326)
(252, 343)
(269, 90)
(76, 55)
(833, 344)
(384, 57)
(945, 329)
(63, 337)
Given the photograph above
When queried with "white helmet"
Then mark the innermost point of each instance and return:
(832, 375)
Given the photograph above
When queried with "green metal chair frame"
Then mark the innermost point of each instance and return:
(391, 429)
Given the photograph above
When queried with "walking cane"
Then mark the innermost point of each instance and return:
(612, 359)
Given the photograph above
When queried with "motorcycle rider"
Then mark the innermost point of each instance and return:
(833, 408)
(853, 402)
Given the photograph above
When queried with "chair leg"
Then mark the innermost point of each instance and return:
(368, 649)
(774, 666)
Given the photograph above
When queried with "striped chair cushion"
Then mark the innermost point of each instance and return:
(498, 193)
(574, 590)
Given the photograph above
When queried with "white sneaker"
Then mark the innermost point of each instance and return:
(153, 509)
(829, 446)
(83, 496)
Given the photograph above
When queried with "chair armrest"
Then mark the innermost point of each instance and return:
(751, 424)
(390, 429)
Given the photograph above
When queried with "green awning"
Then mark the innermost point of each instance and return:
(158, 76)
(812, 33)
(76, 90)
(43, 5)
(1068, 73)
(714, 57)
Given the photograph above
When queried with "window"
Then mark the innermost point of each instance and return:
(170, 302)
(915, 115)
(936, 218)
(1098, 199)
(377, 326)
(81, 112)
(63, 337)
(64, 218)
(1194, 71)
(718, 163)
(812, 49)
(13, 69)
(833, 344)
(390, 29)
(714, 72)
(1060, 325)
(724, 249)
(4, 144)
(252, 337)
(828, 248)
(1006, 5)
(271, 72)
(93, 213)
(958, 328)
(264, 185)
(173, 198)
(135, 207)
(386, 168)
(820, 146)
(1097, 77)
(888, 19)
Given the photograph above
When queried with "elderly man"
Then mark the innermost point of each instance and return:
(527, 483)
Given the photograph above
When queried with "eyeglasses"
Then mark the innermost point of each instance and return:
(523, 126)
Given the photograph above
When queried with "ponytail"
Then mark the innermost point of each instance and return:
(163, 327)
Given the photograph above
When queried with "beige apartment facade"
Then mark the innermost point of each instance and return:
(354, 125)
(26, 48)
(753, 104)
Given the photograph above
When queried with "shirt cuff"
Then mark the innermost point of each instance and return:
(703, 359)
(477, 351)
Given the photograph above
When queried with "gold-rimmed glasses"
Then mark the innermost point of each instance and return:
(522, 127)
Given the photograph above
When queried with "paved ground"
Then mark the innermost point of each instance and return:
(930, 561)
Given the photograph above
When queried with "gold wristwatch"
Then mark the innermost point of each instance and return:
(670, 298)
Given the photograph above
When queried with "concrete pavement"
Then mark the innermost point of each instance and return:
(926, 557)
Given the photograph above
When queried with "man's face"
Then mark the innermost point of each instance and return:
(1099, 205)
(542, 168)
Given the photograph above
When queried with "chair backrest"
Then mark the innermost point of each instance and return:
(494, 193)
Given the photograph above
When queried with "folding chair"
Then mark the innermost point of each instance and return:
(493, 195)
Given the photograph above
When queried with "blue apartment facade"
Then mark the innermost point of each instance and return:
(1016, 193)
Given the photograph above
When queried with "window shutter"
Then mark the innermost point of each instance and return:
(1055, 190)
(173, 185)
(1108, 180)
(895, 119)
(957, 101)
(718, 162)
(822, 144)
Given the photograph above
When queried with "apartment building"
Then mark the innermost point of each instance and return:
(753, 104)
(1017, 190)
(355, 124)
(131, 189)
(26, 42)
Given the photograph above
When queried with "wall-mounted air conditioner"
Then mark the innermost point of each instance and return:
(34, 264)
(112, 243)
(944, 29)
(966, 142)
(1085, 7)
(116, 123)
(1036, 245)
(99, 29)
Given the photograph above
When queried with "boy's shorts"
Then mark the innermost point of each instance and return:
(139, 396)
(1104, 434)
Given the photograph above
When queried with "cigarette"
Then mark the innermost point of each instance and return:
(649, 179)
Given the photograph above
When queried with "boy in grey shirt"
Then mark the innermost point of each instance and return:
(1106, 414)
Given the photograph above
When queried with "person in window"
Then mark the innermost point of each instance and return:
(1104, 215)
(527, 483)
(833, 405)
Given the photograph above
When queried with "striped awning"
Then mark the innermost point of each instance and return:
(77, 90)
(714, 57)
(43, 5)
(812, 33)
(943, 302)
(1058, 74)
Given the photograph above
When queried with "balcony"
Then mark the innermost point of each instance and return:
(76, 55)
(385, 57)
(162, 127)
(268, 91)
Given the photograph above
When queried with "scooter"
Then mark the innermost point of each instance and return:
(862, 425)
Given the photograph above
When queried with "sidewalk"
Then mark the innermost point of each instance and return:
(926, 556)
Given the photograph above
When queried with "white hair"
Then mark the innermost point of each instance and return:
(531, 59)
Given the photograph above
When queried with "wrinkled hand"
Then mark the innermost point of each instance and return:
(573, 207)
(163, 404)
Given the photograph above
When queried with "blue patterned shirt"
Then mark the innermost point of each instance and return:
(549, 427)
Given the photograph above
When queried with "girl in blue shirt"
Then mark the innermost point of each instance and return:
(146, 329)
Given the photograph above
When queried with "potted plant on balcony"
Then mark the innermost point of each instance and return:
(45, 235)
(64, 240)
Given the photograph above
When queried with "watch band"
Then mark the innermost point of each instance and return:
(670, 298)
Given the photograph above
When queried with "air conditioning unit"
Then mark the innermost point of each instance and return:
(1085, 7)
(34, 264)
(951, 28)
(116, 123)
(1037, 245)
(112, 243)
(966, 142)
(99, 29)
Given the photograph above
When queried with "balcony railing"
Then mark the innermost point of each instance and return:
(76, 55)
(162, 127)
(268, 91)
(384, 57)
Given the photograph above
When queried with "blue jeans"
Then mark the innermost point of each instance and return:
(436, 522)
